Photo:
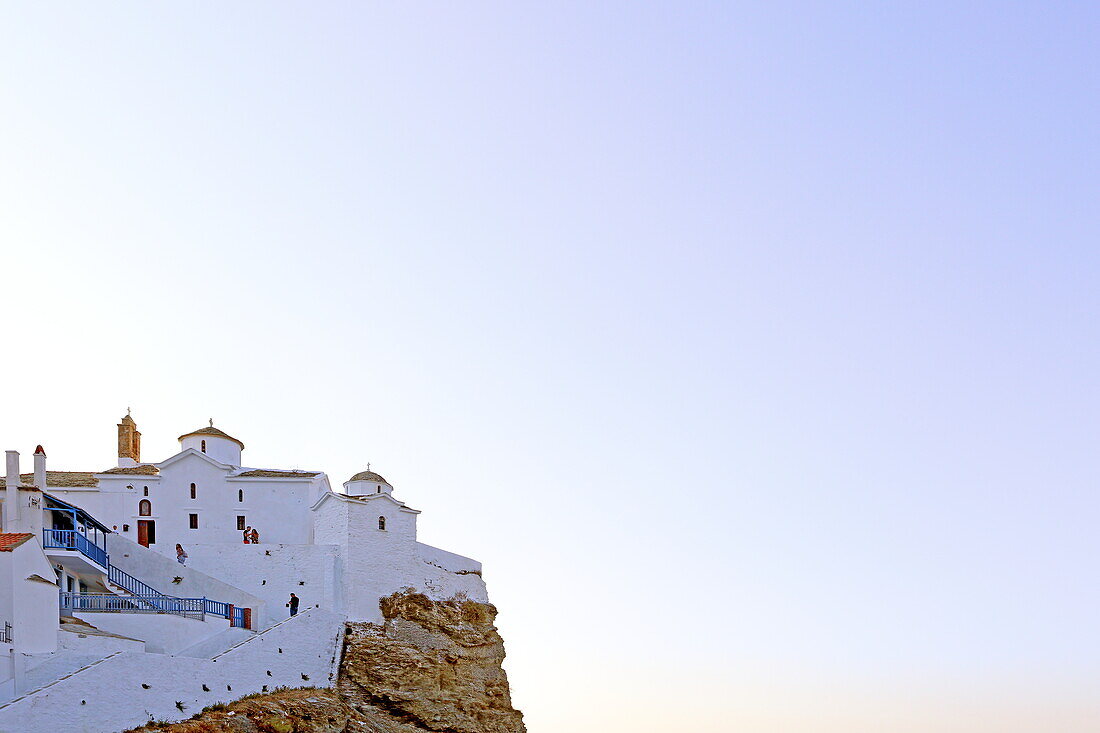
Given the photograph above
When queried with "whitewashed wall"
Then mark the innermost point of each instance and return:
(307, 646)
(100, 644)
(380, 562)
(272, 572)
(163, 633)
(34, 613)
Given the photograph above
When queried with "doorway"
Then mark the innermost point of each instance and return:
(147, 532)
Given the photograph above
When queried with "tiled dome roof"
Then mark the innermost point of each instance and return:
(214, 432)
(368, 476)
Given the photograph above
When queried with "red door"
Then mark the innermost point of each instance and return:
(147, 533)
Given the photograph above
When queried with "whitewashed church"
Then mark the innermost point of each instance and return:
(130, 594)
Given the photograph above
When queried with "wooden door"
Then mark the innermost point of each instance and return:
(146, 532)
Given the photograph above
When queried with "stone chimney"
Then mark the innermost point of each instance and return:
(129, 442)
(12, 499)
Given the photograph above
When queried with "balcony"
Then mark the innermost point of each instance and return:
(70, 539)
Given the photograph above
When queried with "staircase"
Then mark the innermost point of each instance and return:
(131, 595)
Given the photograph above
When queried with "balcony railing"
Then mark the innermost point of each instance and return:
(70, 539)
(111, 603)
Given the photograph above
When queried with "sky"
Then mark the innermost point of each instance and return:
(752, 347)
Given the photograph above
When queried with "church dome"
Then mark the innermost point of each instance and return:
(367, 482)
(368, 476)
(212, 431)
(215, 443)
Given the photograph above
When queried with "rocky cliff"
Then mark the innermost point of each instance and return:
(431, 666)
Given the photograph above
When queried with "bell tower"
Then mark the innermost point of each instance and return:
(129, 442)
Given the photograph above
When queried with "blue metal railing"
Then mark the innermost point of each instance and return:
(70, 539)
(111, 603)
(129, 583)
(149, 594)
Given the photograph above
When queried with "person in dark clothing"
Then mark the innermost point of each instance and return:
(292, 604)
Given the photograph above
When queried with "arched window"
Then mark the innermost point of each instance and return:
(381, 523)
(240, 497)
(145, 509)
(192, 491)
(204, 446)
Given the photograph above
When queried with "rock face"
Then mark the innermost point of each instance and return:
(431, 666)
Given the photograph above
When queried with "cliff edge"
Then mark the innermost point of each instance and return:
(430, 666)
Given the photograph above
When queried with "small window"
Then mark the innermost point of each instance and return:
(145, 509)
(193, 520)
(240, 497)
(240, 521)
(204, 446)
(378, 490)
(145, 491)
(381, 523)
(192, 491)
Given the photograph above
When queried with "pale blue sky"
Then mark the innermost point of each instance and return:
(752, 347)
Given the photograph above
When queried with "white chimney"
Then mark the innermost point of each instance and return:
(40, 468)
(11, 493)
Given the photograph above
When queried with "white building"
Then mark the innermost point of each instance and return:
(101, 546)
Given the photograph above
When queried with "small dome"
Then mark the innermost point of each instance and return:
(368, 476)
(213, 432)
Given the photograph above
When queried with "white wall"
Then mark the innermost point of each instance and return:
(96, 643)
(377, 563)
(34, 613)
(88, 702)
(7, 590)
(272, 572)
(163, 633)
(447, 560)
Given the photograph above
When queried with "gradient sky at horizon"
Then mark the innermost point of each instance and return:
(751, 347)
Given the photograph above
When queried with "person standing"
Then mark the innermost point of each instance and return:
(247, 534)
(292, 604)
(181, 555)
(255, 537)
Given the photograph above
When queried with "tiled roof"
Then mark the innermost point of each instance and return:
(368, 476)
(58, 479)
(214, 432)
(10, 540)
(272, 473)
(135, 470)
